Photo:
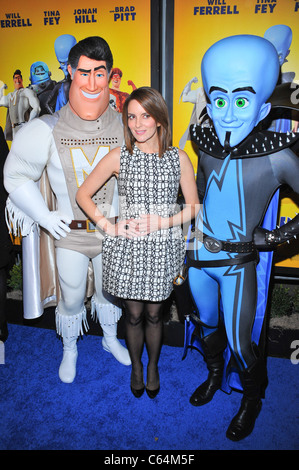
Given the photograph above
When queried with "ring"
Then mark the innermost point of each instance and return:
(126, 227)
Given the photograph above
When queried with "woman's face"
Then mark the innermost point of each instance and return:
(143, 126)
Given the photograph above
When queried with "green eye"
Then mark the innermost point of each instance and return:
(241, 102)
(220, 103)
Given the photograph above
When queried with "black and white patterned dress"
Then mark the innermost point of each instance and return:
(143, 268)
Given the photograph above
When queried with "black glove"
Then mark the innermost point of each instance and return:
(267, 240)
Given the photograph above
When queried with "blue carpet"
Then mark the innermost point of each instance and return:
(98, 411)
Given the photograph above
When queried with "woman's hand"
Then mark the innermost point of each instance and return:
(149, 223)
(124, 228)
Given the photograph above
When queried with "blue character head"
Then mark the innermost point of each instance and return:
(62, 46)
(239, 74)
(39, 73)
(281, 37)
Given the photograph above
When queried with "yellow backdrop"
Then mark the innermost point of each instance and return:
(28, 30)
(200, 23)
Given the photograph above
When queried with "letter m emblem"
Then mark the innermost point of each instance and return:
(83, 165)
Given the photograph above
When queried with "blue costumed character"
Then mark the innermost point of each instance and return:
(41, 83)
(243, 167)
(60, 94)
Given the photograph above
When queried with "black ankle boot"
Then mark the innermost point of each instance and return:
(213, 346)
(205, 392)
(243, 423)
(3, 332)
(254, 380)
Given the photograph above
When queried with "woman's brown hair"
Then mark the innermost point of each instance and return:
(153, 103)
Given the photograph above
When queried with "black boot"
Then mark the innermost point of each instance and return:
(3, 332)
(254, 380)
(213, 346)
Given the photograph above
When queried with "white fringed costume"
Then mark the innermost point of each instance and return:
(57, 153)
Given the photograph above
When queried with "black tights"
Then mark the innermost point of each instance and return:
(144, 324)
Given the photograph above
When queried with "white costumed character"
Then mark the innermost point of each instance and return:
(22, 104)
(66, 147)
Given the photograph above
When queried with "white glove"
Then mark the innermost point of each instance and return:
(28, 199)
(56, 224)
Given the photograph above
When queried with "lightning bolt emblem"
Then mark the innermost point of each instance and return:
(224, 206)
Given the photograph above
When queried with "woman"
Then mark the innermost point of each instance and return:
(145, 249)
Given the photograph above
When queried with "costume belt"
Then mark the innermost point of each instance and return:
(86, 224)
(214, 245)
(246, 249)
(78, 224)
